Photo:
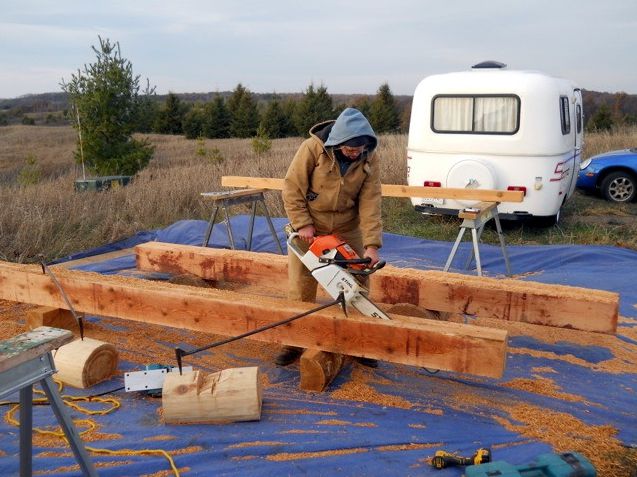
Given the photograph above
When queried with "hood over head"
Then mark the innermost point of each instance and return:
(351, 129)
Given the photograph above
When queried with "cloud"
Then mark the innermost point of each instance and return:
(351, 46)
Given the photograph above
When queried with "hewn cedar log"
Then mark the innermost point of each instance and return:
(50, 316)
(319, 368)
(505, 299)
(84, 363)
(427, 343)
(230, 395)
(394, 190)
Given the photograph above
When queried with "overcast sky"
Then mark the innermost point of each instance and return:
(349, 46)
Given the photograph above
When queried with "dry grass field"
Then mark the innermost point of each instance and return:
(49, 218)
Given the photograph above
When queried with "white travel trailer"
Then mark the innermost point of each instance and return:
(494, 128)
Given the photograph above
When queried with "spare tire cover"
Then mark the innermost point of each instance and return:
(471, 174)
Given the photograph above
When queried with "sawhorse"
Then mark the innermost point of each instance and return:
(475, 218)
(225, 199)
(24, 361)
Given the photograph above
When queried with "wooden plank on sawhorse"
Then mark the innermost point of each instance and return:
(224, 199)
(474, 219)
(24, 361)
(393, 190)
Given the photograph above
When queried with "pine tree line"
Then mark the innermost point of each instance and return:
(240, 116)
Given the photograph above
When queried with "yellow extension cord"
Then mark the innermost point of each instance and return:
(91, 426)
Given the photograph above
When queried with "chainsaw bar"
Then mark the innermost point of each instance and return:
(367, 307)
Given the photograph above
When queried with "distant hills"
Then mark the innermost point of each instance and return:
(51, 105)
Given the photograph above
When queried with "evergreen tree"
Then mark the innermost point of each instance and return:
(147, 110)
(384, 115)
(289, 107)
(363, 105)
(261, 143)
(193, 122)
(235, 98)
(105, 97)
(275, 122)
(171, 116)
(602, 120)
(244, 113)
(216, 119)
(315, 107)
(405, 118)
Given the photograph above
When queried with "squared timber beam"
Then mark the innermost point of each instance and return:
(426, 343)
(505, 299)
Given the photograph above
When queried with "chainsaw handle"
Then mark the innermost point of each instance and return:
(350, 261)
(368, 271)
(292, 246)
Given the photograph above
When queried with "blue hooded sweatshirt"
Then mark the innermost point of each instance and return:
(351, 124)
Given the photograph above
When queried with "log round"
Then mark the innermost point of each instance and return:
(319, 368)
(84, 363)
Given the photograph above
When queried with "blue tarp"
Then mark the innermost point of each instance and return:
(582, 385)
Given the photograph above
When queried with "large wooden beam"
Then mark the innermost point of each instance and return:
(427, 343)
(505, 299)
(393, 190)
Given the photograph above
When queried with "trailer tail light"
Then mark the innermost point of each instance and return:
(522, 188)
(432, 184)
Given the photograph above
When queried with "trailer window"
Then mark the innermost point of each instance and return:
(477, 114)
(578, 112)
(565, 115)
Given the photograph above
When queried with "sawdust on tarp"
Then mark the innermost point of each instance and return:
(567, 433)
(138, 343)
(338, 422)
(303, 431)
(241, 445)
(358, 389)
(76, 467)
(303, 411)
(284, 456)
(544, 386)
(163, 437)
(624, 358)
(561, 430)
(167, 473)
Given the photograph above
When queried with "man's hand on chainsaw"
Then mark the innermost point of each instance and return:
(307, 233)
(371, 253)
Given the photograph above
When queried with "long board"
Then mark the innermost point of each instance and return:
(394, 190)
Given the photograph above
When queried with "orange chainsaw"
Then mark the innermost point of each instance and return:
(334, 265)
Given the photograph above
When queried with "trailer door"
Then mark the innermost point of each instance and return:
(578, 136)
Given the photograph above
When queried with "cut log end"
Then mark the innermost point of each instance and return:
(319, 368)
(84, 363)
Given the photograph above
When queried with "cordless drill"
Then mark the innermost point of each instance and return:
(443, 459)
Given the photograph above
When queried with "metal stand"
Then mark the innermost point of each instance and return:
(475, 218)
(24, 361)
(225, 199)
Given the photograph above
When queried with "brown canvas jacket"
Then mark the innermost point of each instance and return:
(315, 193)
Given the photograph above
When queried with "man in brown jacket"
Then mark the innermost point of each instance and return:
(333, 187)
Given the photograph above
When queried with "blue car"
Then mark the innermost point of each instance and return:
(612, 174)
